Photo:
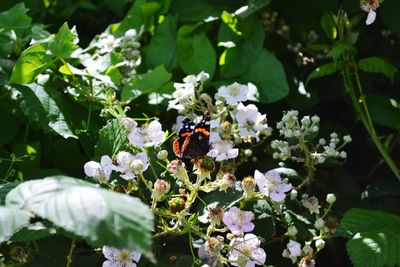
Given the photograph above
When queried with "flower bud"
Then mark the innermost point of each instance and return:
(136, 165)
(248, 186)
(319, 224)
(161, 187)
(162, 155)
(330, 198)
(315, 119)
(315, 128)
(347, 138)
(343, 154)
(293, 194)
(292, 231)
(319, 244)
(177, 168)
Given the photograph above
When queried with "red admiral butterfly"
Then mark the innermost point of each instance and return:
(193, 139)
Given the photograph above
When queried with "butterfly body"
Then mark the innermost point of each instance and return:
(193, 139)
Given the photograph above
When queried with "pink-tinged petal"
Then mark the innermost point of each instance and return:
(252, 240)
(277, 196)
(285, 187)
(273, 175)
(233, 153)
(110, 253)
(135, 255)
(128, 176)
(247, 227)
(250, 264)
(259, 256)
(107, 165)
(111, 264)
(91, 168)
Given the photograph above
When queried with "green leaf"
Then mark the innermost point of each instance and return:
(11, 220)
(15, 19)
(374, 237)
(4, 189)
(99, 216)
(30, 64)
(146, 83)
(252, 7)
(141, 14)
(378, 65)
(329, 25)
(116, 6)
(63, 43)
(112, 138)
(47, 107)
(339, 48)
(268, 75)
(196, 53)
(247, 48)
(384, 111)
(324, 70)
(32, 232)
(162, 47)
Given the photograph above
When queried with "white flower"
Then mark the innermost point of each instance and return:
(233, 93)
(370, 6)
(148, 135)
(292, 251)
(247, 252)
(312, 204)
(120, 258)
(177, 125)
(271, 185)
(129, 124)
(99, 171)
(107, 43)
(251, 122)
(184, 94)
(319, 244)
(222, 150)
(131, 165)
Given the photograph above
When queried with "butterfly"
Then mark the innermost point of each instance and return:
(193, 139)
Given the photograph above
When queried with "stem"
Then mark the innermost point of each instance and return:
(70, 254)
(308, 162)
(366, 119)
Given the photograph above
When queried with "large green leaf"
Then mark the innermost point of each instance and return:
(378, 65)
(15, 18)
(99, 216)
(30, 64)
(374, 237)
(196, 53)
(46, 107)
(248, 46)
(63, 43)
(11, 220)
(146, 83)
(268, 75)
(112, 138)
(162, 47)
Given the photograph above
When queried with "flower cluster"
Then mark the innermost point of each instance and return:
(235, 126)
(298, 133)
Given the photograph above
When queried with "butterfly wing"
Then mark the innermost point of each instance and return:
(184, 132)
(197, 142)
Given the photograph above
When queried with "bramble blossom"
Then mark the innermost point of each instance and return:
(370, 6)
(148, 135)
(233, 93)
(120, 258)
(292, 250)
(222, 150)
(99, 171)
(131, 165)
(251, 122)
(247, 252)
(271, 185)
(184, 94)
(312, 204)
(238, 221)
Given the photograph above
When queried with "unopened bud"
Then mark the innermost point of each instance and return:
(162, 155)
(319, 223)
(330, 198)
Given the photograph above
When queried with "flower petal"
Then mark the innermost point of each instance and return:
(371, 17)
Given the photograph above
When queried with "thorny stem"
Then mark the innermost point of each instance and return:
(308, 162)
(365, 116)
